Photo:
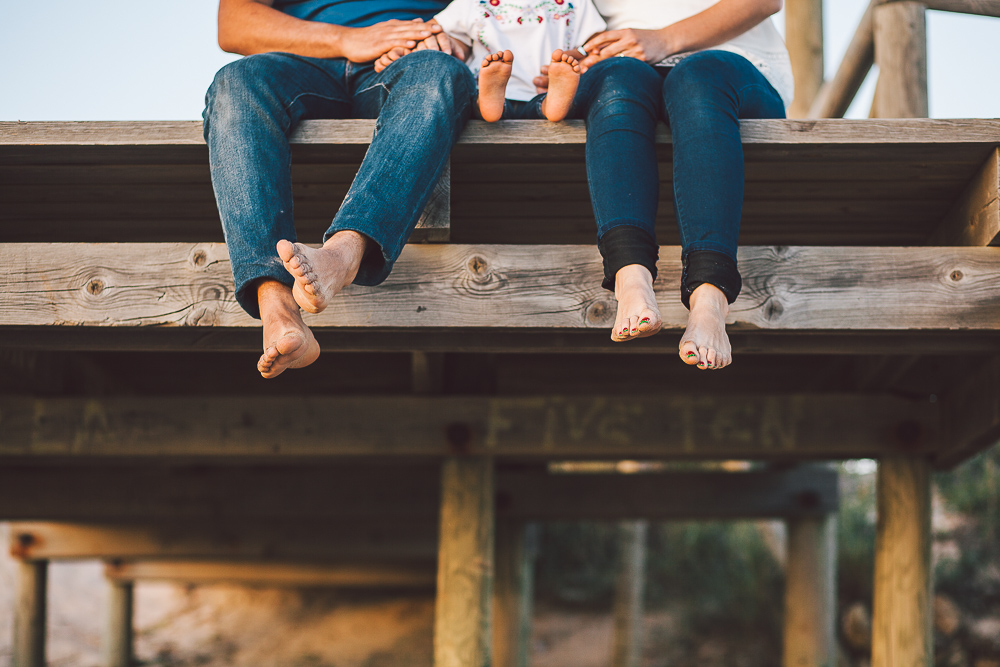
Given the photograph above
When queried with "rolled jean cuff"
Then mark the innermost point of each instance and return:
(625, 245)
(714, 268)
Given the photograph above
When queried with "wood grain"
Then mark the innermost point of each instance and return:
(507, 287)
(804, 40)
(901, 620)
(811, 593)
(346, 575)
(463, 607)
(974, 219)
(900, 36)
(749, 426)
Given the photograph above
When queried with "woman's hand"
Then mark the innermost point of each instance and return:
(650, 46)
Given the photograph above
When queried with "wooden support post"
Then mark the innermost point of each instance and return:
(465, 564)
(29, 614)
(804, 38)
(629, 587)
(513, 593)
(900, 34)
(118, 632)
(901, 625)
(811, 592)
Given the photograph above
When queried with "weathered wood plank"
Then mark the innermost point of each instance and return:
(255, 538)
(359, 132)
(347, 575)
(833, 426)
(900, 37)
(980, 7)
(974, 219)
(811, 593)
(30, 614)
(508, 287)
(901, 622)
(463, 607)
(434, 225)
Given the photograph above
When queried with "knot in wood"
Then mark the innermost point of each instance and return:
(199, 258)
(95, 286)
(600, 313)
(478, 266)
(773, 309)
(956, 275)
(22, 545)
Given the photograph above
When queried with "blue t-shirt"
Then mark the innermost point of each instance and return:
(360, 13)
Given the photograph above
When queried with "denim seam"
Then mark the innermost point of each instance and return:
(295, 99)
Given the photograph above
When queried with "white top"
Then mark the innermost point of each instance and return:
(530, 29)
(761, 45)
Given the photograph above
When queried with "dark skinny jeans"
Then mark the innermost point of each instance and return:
(702, 99)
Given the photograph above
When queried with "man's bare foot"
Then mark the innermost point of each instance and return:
(320, 273)
(493, 76)
(705, 343)
(288, 342)
(564, 77)
(638, 314)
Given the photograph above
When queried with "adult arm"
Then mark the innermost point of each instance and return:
(719, 23)
(254, 26)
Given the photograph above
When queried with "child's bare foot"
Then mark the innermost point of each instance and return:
(493, 76)
(705, 342)
(638, 314)
(320, 273)
(288, 342)
(564, 77)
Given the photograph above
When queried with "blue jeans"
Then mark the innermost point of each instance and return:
(702, 99)
(255, 103)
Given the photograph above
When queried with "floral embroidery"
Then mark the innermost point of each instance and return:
(507, 12)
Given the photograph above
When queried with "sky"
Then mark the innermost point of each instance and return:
(143, 60)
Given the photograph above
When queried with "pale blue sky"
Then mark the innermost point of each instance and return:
(140, 60)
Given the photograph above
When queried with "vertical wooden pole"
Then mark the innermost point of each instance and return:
(811, 593)
(118, 636)
(804, 39)
(901, 624)
(513, 594)
(465, 564)
(29, 614)
(900, 32)
(628, 609)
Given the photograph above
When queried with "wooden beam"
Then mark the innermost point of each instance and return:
(974, 219)
(29, 614)
(259, 539)
(118, 627)
(900, 37)
(503, 287)
(220, 428)
(513, 593)
(346, 575)
(462, 624)
(41, 137)
(804, 39)
(835, 97)
(811, 593)
(980, 7)
(630, 586)
(901, 623)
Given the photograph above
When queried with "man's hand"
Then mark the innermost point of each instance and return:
(444, 42)
(362, 45)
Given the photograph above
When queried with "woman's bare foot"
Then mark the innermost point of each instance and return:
(494, 74)
(320, 273)
(288, 342)
(638, 314)
(564, 77)
(705, 343)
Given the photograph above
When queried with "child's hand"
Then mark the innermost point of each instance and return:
(390, 57)
(444, 42)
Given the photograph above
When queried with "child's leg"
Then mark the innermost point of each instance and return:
(564, 77)
(493, 77)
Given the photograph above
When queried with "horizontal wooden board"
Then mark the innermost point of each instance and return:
(226, 530)
(506, 287)
(345, 575)
(777, 426)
